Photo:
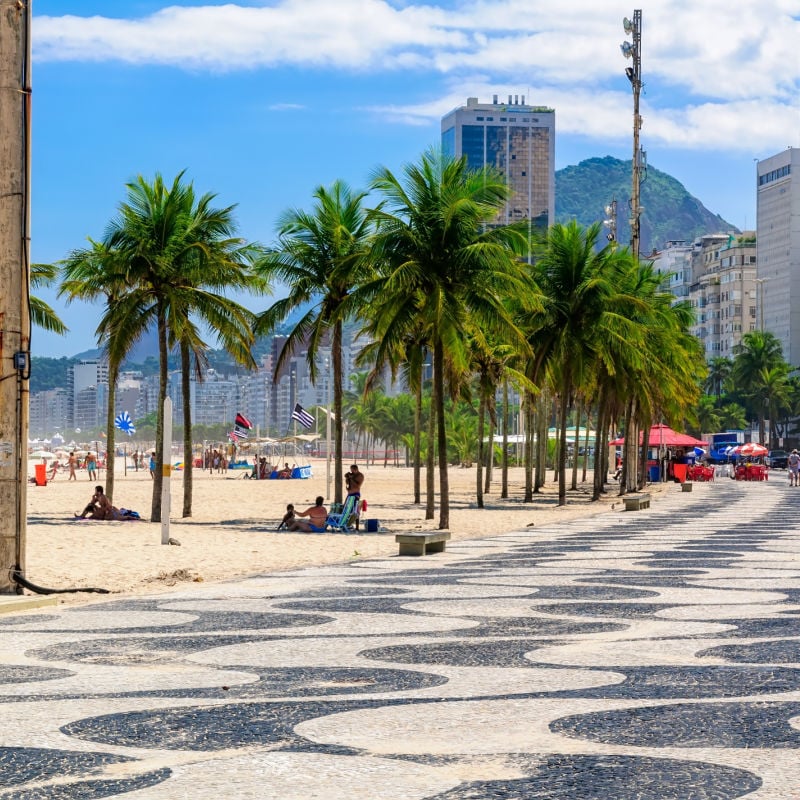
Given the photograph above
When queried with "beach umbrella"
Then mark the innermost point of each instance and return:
(663, 435)
(753, 449)
(124, 423)
(41, 454)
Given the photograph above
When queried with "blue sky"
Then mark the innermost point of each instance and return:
(262, 101)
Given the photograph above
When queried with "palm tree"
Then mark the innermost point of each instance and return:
(577, 281)
(89, 274)
(758, 351)
(443, 269)
(176, 251)
(42, 314)
(719, 371)
(320, 256)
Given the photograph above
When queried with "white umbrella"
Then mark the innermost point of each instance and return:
(41, 454)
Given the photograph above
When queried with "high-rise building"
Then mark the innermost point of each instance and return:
(778, 214)
(518, 140)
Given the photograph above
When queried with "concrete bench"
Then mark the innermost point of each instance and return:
(420, 544)
(636, 502)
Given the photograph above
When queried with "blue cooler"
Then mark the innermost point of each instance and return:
(373, 525)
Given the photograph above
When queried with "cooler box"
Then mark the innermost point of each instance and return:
(40, 471)
(373, 525)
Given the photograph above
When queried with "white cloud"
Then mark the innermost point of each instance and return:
(716, 74)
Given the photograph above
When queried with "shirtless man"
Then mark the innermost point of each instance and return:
(317, 514)
(353, 480)
(99, 507)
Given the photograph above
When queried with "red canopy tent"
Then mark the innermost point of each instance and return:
(664, 435)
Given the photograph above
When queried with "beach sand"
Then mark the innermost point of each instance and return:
(231, 532)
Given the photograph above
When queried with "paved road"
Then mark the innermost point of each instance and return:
(652, 655)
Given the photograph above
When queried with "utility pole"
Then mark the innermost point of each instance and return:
(633, 50)
(15, 106)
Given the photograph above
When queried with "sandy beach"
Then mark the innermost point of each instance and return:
(232, 529)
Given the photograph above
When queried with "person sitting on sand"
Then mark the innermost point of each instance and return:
(99, 507)
(286, 472)
(288, 518)
(317, 515)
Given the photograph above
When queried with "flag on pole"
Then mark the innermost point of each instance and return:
(241, 426)
(302, 416)
(243, 422)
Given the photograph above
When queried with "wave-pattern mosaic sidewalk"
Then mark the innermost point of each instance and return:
(651, 655)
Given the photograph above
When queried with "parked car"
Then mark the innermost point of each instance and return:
(777, 459)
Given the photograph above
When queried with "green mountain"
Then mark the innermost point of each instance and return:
(670, 212)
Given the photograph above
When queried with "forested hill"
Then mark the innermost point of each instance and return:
(670, 212)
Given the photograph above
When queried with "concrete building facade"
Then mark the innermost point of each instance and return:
(778, 215)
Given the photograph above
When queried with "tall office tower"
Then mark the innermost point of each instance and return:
(515, 138)
(778, 280)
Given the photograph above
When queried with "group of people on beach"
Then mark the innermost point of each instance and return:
(315, 517)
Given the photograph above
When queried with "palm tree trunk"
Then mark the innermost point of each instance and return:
(110, 431)
(481, 452)
(417, 437)
(338, 391)
(487, 483)
(441, 433)
(527, 401)
(562, 448)
(586, 446)
(430, 460)
(504, 456)
(186, 391)
(577, 418)
(158, 482)
(541, 425)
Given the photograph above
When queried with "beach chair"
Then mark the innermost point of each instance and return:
(341, 520)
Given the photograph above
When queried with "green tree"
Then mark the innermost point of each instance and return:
(166, 237)
(320, 256)
(442, 269)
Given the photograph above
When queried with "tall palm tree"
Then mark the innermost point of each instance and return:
(577, 280)
(89, 274)
(177, 250)
(443, 269)
(320, 256)
(758, 351)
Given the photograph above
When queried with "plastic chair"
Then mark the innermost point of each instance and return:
(341, 521)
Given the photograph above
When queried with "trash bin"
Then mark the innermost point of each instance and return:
(373, 525)
(40, 471)
(654, 473)
(679, 470)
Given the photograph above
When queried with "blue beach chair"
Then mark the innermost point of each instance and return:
(341, 521)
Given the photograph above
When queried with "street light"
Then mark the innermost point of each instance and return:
(633, 50)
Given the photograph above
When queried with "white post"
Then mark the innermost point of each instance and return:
(166, 470)
(328, 443)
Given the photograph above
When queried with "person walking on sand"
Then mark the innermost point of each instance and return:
(152, 465)
(793, 465)
(317, 516)
(72, 463)
(91, 466)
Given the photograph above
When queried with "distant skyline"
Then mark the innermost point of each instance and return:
(261, 102)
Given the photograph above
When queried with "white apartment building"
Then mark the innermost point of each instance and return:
(778, 215)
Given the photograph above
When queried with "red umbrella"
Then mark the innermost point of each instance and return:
(664, 435)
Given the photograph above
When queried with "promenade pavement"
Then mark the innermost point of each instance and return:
(648, 655)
